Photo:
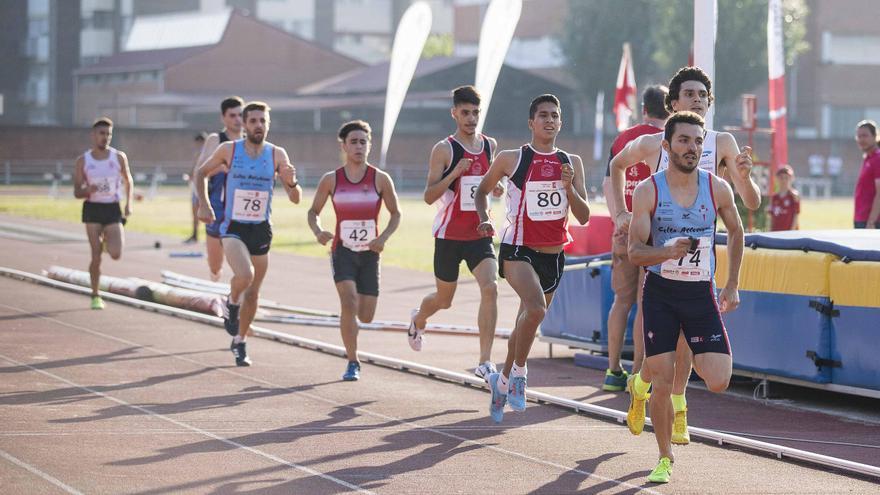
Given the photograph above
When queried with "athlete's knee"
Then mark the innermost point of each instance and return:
(115, 254)
(246, 276)
(534, 312)
(349, 303)
(717, 384)
(365, 316)
(489, 290)
(661, 383)
(625, 299)
(251, 295)
(444, 302)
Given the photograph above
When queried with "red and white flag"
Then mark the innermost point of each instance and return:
(625, 94)
(776, 68)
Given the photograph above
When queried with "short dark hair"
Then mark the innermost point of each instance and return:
(200, 137)
(868, 124)
(102, 122)
(545, 98)
(354, 125)
(654, 101)
(465, 94)
(254, 105)
(687, 74)
(230, 102)
(681, 118)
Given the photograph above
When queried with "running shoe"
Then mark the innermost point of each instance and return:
(661, 473)
(414, 335)
(230, 323)
(614, 382)
(635, 416)
(499, 398)
(484, 370)
(97, 302)
(680, 434)
(239, 350)
(353, 372)
(516, 391)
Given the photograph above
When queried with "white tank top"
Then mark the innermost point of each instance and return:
(709, 159)
(106, 174)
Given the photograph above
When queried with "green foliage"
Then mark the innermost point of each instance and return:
(438, 45)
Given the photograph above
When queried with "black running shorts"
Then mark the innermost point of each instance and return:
(362, 267)
(673, 306)
(448, 255)
(548, 266)
(256, 236)
(102, 213)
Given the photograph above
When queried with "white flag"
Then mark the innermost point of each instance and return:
(705, 27)
(495, 37)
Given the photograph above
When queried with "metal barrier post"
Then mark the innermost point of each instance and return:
(7, 173)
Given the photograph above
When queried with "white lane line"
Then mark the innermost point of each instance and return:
(191, 427)
(412, 424)
(48, 477)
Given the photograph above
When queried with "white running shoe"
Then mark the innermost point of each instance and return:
(414, 335)
(484, 370)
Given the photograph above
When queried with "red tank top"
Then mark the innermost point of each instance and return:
(457, 217)
(537, 205)
(637, 172)
(357, 210)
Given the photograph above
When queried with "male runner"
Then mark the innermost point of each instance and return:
(251, 165)
(456, 167)
(672, 233)
(230, 115)
(545, 183)
(625, 276)
(358, 190)
(689, 89)
(99, 175)
(199, 142)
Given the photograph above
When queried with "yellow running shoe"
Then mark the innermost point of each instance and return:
(97, 302)
(680, 435)
(635, 416)
(662, 472)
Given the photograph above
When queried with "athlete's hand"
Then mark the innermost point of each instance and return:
(127, 211)
(744, 162)
(206, 213)
(324, 237)
(92, 188)
(498, 191)
(377, 245)
(679, 248)
(461, 167)
(567, 175)
(486, 229)
(728, 299)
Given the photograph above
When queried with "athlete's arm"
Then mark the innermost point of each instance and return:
(728, 299)
(740, 173)
(325, 187)
(81, 187)
(502, 166)
(129, 182)
(385, 187)
(640, 253)
(215, 163)
(287, 173)
(501, 187)
(437, 184)
(638, 150)
(576, 189)
(208, 147)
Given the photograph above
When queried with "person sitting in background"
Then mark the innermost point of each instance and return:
(785, 204)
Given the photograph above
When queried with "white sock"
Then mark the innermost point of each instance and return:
(519, 371)
(502, 383)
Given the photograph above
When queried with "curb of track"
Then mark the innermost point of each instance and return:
(707, 435)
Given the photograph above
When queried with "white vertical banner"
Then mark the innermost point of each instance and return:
(705, 29)
(598, 151)
(496, 34)
(409, 41)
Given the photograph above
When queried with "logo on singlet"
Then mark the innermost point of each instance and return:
(546, 170)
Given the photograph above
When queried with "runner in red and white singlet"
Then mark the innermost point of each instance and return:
(545, 184)
(457, 218)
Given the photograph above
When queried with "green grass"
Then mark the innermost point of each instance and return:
(412, 246)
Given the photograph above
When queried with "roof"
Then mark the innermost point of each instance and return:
(161, 32)
(141, 60)
(374, 78)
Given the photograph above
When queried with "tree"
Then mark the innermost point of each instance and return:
(438, 45)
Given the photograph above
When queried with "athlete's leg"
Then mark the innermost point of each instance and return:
(195, 220)
(638, 329)
(215, 256)
(348, 309)
(624, 285)
(252, 295)
(366, 307)
(525, 282)
(715, 369)
(435, 301)
(114, 239)
(239, 260)
(487, 316)
(662, 369)
(94, 231)
(683, 361)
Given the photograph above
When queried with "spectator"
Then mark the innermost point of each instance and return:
(867, 199)
(785, 205)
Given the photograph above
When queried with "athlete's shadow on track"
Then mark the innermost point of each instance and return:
(42, 314)
(121, 355)
(571, 481)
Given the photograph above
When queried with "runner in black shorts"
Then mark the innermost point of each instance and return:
(548, 266)
(257, 237)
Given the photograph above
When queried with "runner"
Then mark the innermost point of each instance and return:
(357, 190)
(230, 115)
(456, 167)
(625, 276)
(545, 183)
(677, 245)
(689, 89)
(199, 141)
(99, 174)
(246, 232)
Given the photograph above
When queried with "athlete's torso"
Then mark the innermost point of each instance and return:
(249, 184)
(671, 220)
(708, 160)
(106, 174)
(537, 203)
(217, 181)
(635, 173)
(357, 207)
(457, 217)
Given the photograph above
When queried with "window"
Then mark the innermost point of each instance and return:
(850, 49)
(840, 122)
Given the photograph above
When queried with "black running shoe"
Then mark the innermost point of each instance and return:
(239, 350)
(230, 323)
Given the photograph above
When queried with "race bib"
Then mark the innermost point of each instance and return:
(546, 200)
(107, 188)
(357, 234)
(250, 206)
(468, 190)
(695, 266)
